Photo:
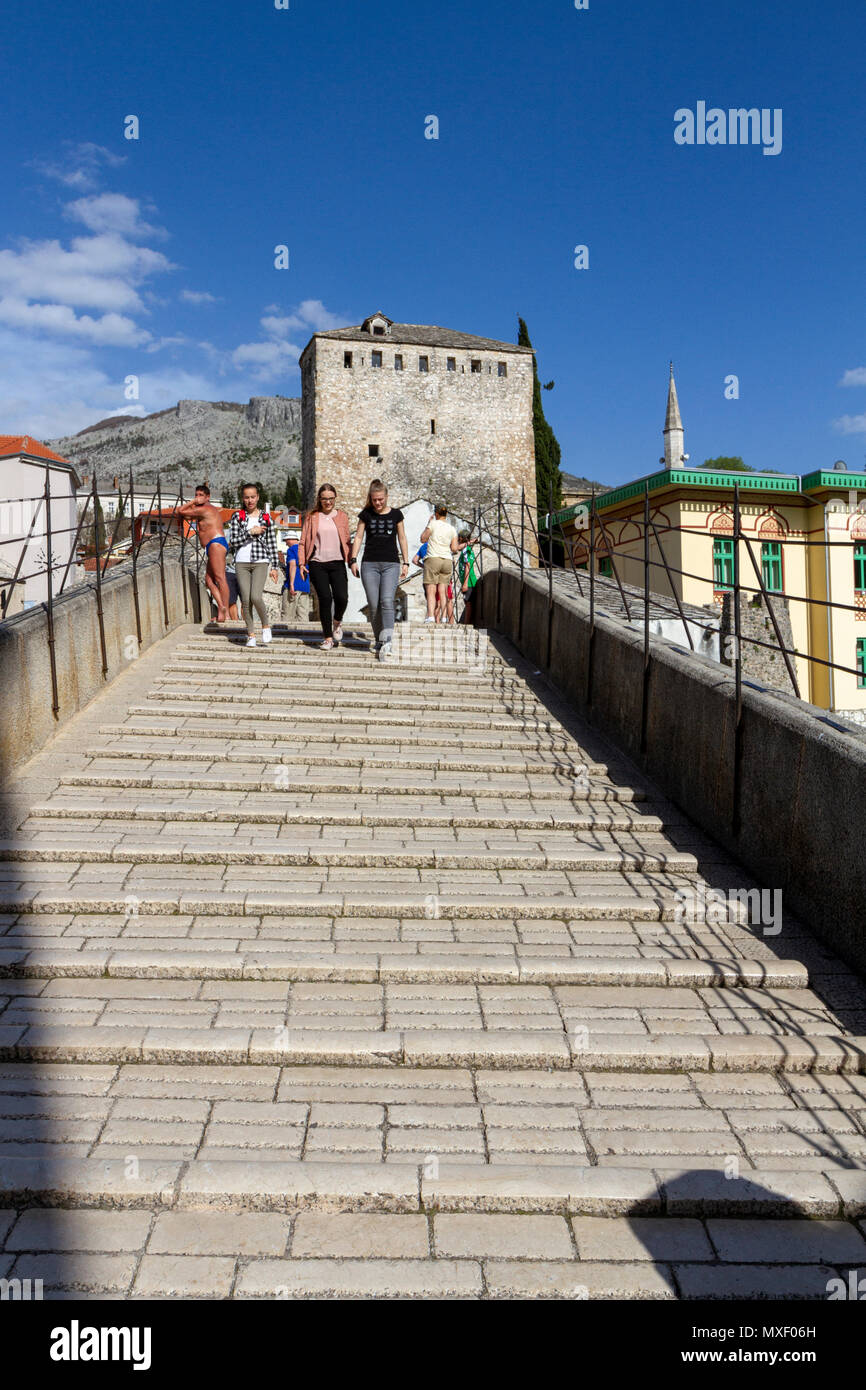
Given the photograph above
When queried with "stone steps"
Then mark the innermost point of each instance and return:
(443, 780)
(259, 812)
(398, 992)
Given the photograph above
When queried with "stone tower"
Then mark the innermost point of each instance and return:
(673, 432)
(424, 408)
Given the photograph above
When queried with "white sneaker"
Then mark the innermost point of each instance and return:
(338, 632)
(251, 641)
(429, 620)
(384, 652)
(266, 636)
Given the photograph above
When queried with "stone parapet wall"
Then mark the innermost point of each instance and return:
(789, 808)
(26, 718)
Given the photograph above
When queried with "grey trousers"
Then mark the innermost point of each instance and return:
(380, 579)
(251, 585)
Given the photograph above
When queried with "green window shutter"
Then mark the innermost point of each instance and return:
(861, 663)
(723, 563)
(860, 566)
(605, 566)
(771, 566)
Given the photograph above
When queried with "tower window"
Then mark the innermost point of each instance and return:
(476, 364)
(432, 426)
(375, 359)
(398, 362)
(451, 364)
(860, 566)
(423, 364)
(502, 369)
(347, 359)
(373, 451)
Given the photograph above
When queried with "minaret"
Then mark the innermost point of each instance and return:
(673, 431)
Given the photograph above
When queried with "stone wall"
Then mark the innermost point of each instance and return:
(797, 787)
(26, 718)
(759, 663)
(483, 421)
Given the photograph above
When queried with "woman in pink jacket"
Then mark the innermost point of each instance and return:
(323, 551)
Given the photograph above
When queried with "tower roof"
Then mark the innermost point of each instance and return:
(673, 419)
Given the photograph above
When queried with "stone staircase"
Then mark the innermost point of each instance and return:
(324, 978)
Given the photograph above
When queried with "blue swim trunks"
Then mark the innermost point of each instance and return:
(217, 540)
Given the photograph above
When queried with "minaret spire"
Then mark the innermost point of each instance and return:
(673, 431)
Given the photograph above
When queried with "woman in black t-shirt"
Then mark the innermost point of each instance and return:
(381, 569)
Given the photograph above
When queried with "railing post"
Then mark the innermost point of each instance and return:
(646, 619)
(183, 573)
(161, 547)
(738, 671)
(99, 609)
(498, 552)
(134, 558)
(549, 570)
(49, 579)
(522, 551)
(591, 645)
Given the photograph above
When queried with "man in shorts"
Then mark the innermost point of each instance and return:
(209, 523)
(441, 540)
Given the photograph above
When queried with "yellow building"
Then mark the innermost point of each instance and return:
(691, 555)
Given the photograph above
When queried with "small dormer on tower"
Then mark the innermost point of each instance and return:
(377, 325)
(674, 437)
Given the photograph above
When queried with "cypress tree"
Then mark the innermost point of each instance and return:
(547, 451)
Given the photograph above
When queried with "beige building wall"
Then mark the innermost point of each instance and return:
(687, 526)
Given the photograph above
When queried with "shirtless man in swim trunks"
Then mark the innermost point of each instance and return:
(209, 520)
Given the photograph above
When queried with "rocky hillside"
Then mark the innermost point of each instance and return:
(217, 442)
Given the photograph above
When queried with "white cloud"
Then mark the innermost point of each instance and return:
(310, 316)
(83, 166)
(109, 330)
(268, 360)
(112, 212)
(99, 272)
(855, 376)
(198, 297)
(850, 424)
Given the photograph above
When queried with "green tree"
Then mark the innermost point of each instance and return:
(728, 465)
(547, 450)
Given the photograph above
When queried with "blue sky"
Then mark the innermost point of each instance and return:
(305, 127)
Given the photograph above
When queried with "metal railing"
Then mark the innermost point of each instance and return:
(90, 524)
(517, 517)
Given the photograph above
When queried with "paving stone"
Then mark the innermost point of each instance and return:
(219, 1233)
(777, 1282)
(185, 1276)
(52, 1230)
(578, 1280)
(656, 1238)
(369, 1235)
(360, 1278)
(787, 1242)
(502, 1237)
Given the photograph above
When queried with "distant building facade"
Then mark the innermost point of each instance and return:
(24, 465)
(692, 514)
(415, 405)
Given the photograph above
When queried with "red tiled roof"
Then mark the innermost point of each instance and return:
(24, 444)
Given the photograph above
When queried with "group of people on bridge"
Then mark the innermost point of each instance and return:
(323, 557)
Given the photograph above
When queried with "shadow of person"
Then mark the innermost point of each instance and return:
(736, 1233)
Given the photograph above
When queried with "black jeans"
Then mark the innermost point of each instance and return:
(331, 583)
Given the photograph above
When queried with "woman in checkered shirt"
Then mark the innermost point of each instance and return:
(251, 537)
